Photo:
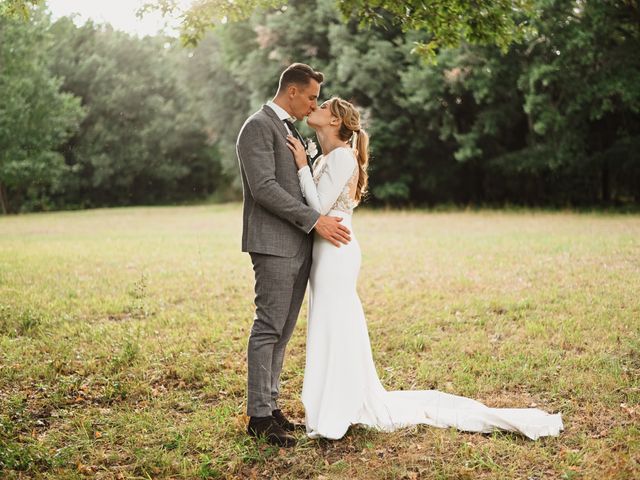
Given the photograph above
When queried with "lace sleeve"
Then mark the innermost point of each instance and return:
(308, 188)
(339, 168)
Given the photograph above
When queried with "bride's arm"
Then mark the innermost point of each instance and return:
(308, 187)
(321, 197)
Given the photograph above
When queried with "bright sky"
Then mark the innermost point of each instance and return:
(119, 13)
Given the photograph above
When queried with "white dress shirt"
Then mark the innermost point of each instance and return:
(281, 113)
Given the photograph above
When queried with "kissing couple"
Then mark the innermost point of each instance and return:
(297, 229)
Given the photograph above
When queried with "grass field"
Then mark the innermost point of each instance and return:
(123, 336)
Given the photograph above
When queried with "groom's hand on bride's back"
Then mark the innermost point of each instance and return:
(330, 229)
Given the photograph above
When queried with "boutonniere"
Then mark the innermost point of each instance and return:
(312, 149)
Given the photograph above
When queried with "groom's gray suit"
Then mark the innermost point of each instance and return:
(276, 227)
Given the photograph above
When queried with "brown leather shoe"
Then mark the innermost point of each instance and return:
(268, 428)
(284, 423)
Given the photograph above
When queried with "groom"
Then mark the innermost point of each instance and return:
(276, 232)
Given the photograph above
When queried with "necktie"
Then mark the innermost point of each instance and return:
(296, 134)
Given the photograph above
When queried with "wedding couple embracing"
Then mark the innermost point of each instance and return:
(297, 229)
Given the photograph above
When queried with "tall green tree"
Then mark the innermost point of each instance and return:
(142, 140)
(222, 95)
(35, 116)
(582, 96)
(556, 119)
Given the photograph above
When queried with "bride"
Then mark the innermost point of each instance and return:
(341, 386)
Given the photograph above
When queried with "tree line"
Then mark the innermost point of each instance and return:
(93, 117)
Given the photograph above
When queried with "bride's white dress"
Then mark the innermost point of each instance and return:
(341, 386)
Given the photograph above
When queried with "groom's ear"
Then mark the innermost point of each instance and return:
(292, 90)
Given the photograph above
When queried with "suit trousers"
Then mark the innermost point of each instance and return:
(280, 285)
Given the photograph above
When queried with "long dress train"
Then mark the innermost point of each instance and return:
(341, 386)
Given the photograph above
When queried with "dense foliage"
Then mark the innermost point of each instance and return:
(449, 22)
(95, 117)
(35, 117)
(142, 140)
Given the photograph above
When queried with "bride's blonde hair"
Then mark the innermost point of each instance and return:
(350, 126)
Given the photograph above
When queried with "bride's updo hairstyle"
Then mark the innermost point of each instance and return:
(349, 127)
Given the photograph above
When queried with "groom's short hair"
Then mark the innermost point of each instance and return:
(298, 74)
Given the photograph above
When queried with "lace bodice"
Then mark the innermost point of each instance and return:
(334, 182)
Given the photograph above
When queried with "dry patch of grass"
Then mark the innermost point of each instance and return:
(123, 336)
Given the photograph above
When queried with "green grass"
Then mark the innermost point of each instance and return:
(123, 336)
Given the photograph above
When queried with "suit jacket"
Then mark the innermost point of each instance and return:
(275, 217)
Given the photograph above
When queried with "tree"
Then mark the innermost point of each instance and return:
(554, 120)
(142, 141)
(15, 9)
(448, 22)
(35, 117)
(582, 95)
